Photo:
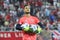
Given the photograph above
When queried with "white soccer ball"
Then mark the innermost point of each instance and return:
(25, 27)
(35, 29)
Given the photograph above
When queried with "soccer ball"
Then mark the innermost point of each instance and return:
(31, 28)
(35, 29)
(25, 27)
(38, 29)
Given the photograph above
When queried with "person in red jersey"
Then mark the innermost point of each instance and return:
(27, 18)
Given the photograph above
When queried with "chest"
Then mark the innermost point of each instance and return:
(29, 20)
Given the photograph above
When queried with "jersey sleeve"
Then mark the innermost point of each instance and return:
(20, 21)
(37, 20)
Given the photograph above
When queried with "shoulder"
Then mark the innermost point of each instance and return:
(34, 17)
(22, 18)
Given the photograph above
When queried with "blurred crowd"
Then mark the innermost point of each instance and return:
(12, 10)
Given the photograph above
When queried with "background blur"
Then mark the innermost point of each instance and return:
(48, 11)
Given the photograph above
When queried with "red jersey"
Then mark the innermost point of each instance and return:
(29, 20)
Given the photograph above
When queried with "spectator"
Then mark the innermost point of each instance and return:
(58, 23)
(47, 12)
(20, 12)
(1, 21)
(58, 14)
(52, 17)
(37, 14)
(8, 17)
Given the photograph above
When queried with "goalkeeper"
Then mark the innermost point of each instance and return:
(27, 18)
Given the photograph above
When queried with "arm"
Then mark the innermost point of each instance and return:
(19, 23)
(41, 25)
(18, 27)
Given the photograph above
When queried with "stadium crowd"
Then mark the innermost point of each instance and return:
(12, 10)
